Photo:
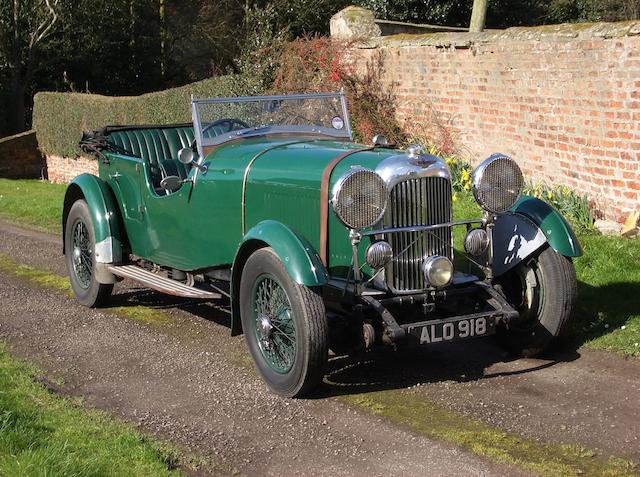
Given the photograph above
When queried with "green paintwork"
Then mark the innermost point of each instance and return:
(284, 185)
(295, 252)
(559, 233)
(200, 225)
(104, 211)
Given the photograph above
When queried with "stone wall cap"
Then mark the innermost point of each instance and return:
(561, 32)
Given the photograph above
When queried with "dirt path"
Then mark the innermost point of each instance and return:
(189, 381)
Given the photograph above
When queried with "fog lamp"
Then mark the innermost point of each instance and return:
(438, 271)
(378, 254)
(476, 242)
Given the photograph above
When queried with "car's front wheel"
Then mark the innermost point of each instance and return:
(79, 246)
(543, 290)
(284, 325)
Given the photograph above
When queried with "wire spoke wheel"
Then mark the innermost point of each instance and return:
(273, 323)
(79, 249)
(284, 324)
(82, 254)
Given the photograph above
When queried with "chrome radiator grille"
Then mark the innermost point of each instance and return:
(424, 201)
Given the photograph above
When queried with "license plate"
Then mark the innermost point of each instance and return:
(453, 329)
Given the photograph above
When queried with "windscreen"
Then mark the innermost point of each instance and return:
(224, 119)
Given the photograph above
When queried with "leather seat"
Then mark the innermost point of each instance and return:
(159, 147)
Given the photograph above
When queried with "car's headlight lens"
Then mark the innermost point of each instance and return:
(359, 198)
(438, 271)
(497, 183)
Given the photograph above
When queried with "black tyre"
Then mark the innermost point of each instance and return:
(543, 289)
(79, 246)
(284, 325)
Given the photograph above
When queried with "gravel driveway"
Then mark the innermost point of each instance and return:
(188, 381)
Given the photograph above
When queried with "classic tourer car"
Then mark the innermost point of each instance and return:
(316, 243)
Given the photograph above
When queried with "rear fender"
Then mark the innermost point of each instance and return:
(297, 255)
(105, 219)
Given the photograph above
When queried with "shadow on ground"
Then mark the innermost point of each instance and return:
(385, 368)
(382, 368)
(459, 362)
(613, 304)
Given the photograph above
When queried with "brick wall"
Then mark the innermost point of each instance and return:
(20, 157)
(563, 100)
(63, 169)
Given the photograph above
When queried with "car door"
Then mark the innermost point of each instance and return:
(124, 174)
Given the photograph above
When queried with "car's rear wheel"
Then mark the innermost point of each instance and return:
(543, 290)
(79, 246)
(284, 325)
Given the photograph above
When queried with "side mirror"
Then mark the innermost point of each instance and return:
(171, 183)
(187, 156)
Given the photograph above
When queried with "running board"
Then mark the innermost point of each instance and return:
(159, 283)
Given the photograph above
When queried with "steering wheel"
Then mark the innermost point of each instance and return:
(230, 122)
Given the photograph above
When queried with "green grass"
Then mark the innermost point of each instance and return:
(42, 434)
(408, 409)
(34, 203)
(608, 314)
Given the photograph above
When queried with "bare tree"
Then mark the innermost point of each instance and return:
(27, 24)
(478, 15)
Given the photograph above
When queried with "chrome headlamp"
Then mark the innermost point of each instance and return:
(438, 271)
(497, 183)
(378, 254)
(359, 198)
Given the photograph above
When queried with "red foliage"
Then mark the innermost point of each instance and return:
(320, 64)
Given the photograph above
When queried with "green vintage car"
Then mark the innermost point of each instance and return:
(316, 243)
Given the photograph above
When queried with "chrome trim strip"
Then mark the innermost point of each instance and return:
(245, 99)
(345, 108)
(422, 228)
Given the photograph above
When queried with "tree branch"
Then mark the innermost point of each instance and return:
(46, 25)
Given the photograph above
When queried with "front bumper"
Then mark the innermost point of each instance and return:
(495, 312)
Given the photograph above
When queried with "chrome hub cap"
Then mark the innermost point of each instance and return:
(265, 328)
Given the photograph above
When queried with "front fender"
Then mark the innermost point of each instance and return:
(104, 215)
(556, 229)
(297, 255)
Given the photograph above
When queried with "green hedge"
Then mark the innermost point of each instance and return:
(60, 118)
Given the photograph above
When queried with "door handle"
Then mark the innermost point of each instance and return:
(115, 176)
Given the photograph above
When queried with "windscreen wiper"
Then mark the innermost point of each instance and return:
(252, 130)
